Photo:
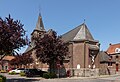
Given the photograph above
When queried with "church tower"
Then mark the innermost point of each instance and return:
(39, 29)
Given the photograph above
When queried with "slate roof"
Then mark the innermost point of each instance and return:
(103, 56)
(81, 32)
(94, 47)
(30, 47)
(112, 48)
(39, 27)
(39, 24)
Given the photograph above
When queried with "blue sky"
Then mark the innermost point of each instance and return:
(102, 16)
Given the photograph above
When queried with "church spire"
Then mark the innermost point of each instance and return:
(39, 25)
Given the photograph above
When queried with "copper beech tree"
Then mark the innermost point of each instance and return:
(50, 49)
(21, 59)
(12, 36)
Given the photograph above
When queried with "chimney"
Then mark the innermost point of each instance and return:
(110, 44)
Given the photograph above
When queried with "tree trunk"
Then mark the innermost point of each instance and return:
(52, 66)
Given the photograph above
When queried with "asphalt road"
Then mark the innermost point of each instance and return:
(17, 78)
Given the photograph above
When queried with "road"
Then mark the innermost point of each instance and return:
(115, 78)
(17, 78)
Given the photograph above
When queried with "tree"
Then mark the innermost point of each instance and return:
(21, 59)
(12, 36)
(26, 59)
(50, 49)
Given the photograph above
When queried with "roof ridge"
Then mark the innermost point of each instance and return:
(115, 44)
(111, 45)
(72, 29)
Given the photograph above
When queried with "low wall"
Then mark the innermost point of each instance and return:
(85, 72)
(107, 71)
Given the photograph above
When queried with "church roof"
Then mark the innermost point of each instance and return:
(30, 47)
(39, 27)
(81, 32)
(105, 58)
(39, 24)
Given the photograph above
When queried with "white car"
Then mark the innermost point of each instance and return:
(17, 70)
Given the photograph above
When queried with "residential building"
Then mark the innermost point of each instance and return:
(4, 64)
(114, 52)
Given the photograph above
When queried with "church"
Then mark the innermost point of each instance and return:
(85, 58)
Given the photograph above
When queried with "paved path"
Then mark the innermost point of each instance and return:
(105, 78)
(17, 78)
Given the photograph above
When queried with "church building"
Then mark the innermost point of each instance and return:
(83, 50)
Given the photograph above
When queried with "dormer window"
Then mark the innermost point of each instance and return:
(117, 50)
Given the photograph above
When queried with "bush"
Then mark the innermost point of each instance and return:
(22, 74)
(3, 71)
(12, 73)
(2, 78)
(49, 75)
(46, 75)
(52, 75)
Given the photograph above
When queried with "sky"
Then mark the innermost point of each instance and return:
(102, 17)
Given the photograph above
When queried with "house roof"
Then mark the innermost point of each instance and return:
(81, 32)
(113, 49)
(8, 58)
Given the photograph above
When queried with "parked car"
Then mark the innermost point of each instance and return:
(34, 72)
(17, 70)
(11, 69)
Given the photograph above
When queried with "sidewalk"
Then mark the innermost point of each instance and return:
(92, 77)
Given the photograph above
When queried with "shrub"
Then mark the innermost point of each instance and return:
(3, 71)
(2, 78)
(46, 75)
(12, 73)
(49, 75)
(52, 75)
(22, 74)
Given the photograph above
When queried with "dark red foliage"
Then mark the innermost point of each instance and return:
(50, 47)
(21, 59)
(12, 36)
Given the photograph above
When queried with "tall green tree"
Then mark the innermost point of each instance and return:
(12, 36)
(50, 49)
